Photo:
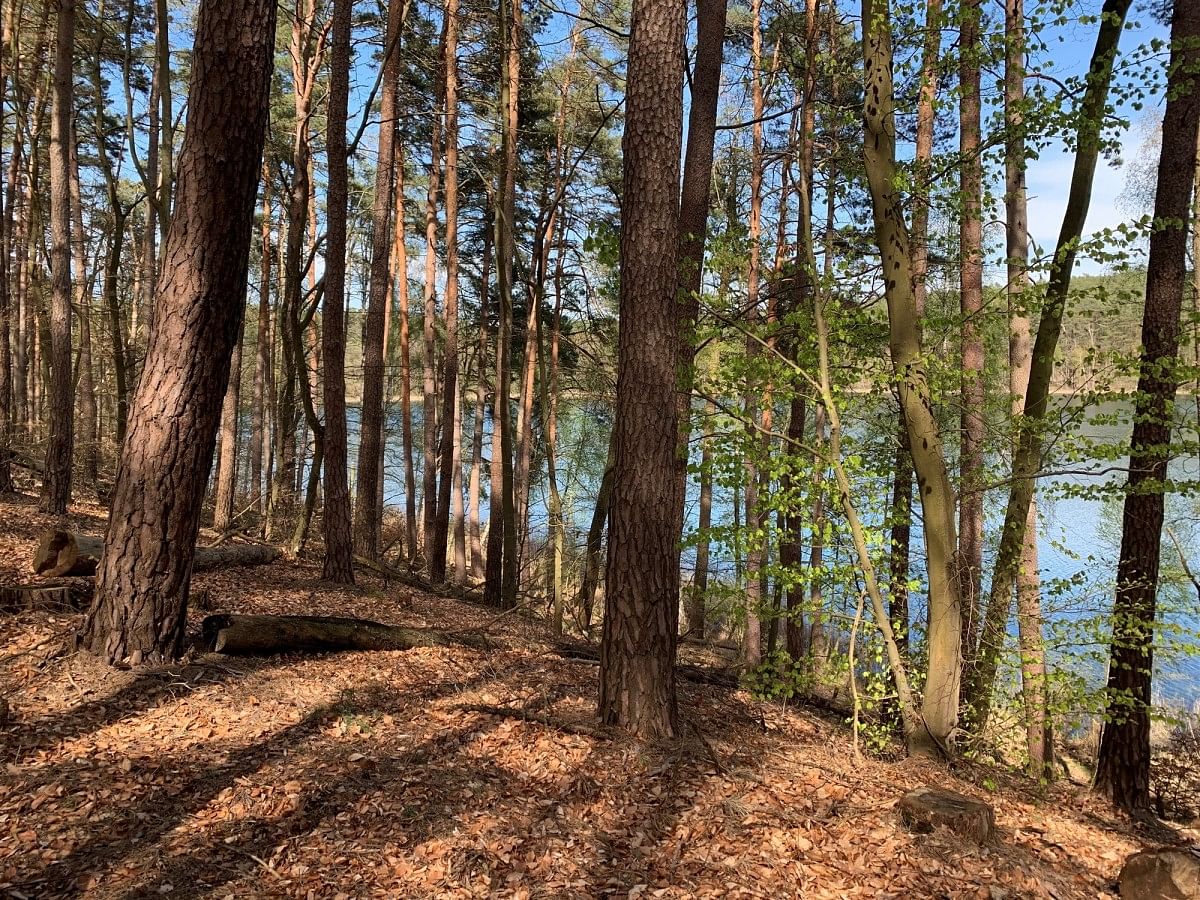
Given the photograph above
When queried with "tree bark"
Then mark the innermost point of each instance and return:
(142, 588)
(450, 448)
(1039, 737)
(400, 254)
(263, 386)
(227, 458)
(368, 502)
(338, 565)
(1123, 767)
(56, 487)
(637, 657)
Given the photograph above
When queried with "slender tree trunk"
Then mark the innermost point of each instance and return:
(694, 204)
(451, 443)
(940, 702)
(56, 486)
(262, 388)
(85, 389)
(1027, 459)
(473, 488)
(400, 254)
(368, 501)
(637, 652)
(1039, 738)
(699, 587)
(6, 404)
(338, 566)
(970, 239)
(429, 414)
(752, 646)
(902, 485)
(595, 539)
(227, 457)
(143, 580)
(1123, 767)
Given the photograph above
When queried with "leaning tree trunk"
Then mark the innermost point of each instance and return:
(56, 488)
(142, 588)
(940, 703)
(1027, 460)
(637, 655)
(1123, 768)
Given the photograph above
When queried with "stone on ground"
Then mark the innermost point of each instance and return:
(1168, 873)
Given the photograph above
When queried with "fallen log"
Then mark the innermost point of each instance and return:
(238, 635)
(55, 594)
(62, 553)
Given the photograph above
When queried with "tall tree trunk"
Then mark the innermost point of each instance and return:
(970, 239)
(752, 644)
(368, 501)
(400, 255)
(595, 539)
(694, 204)
(451, 442)
(1027, 459)
(1039, 738)
(940, 703)
(699, 587)
(500, 585)
(338, 565)
(85, 389)
(56, 486)
(228, 455)
(429, 415)
(263, 388)
(637, 652)
(142, 584)
(6, 404)
(1123, 767)
(473, 487)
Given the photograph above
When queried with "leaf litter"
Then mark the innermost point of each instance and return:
(462, 773)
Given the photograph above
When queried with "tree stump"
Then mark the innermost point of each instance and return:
(925, 809)
(1168, 873)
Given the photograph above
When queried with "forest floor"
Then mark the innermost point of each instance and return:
(382, 775)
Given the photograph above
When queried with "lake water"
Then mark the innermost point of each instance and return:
(1079, 528)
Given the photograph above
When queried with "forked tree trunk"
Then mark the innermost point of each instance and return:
(142, 587)
(1123, 767)
(637, 652)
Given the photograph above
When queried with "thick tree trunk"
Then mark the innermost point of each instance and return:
(338, 565)
(1027, 459)
(56, 487)
(1123, 767)
(637, 656)
(142, 588)
(940, 703)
